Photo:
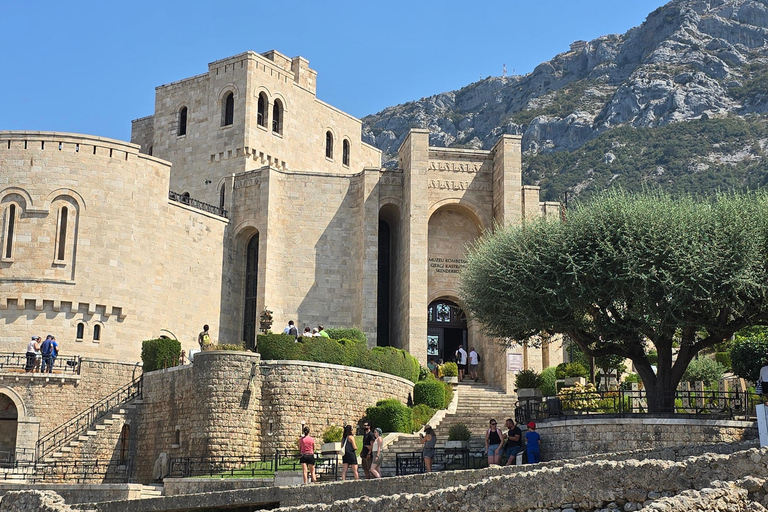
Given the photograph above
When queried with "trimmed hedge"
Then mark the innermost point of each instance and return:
(448, 390)
(348, 352)
(548, 381)
(390, 415)
(420, 415)
(430, 392)
(160, 353)
(347, 333)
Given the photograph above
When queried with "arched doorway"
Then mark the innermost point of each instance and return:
(9, 416)
(251, 291)
(446, 330)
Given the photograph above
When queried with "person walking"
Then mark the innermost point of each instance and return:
(291, 329)
(533, 444)
(493, 446)
(307, 450)
(474, 361)
(376, 449)
(349, 449)
(429, 440)
(366, 454)
(461, 361)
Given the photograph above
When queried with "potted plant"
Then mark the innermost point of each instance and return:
(332, 440)
(526, 382)
(458, 437)
(450, 373)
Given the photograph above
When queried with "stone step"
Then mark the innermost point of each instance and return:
(91, 433)
(82, 439)
(100, 427)
(108, 421)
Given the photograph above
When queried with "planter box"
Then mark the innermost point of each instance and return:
(451, 380)
(570, 381)
(523, 393)
(456, 446)
(330, 448)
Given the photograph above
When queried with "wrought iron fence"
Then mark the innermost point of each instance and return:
(687, 403)
(409, 463)
(194, 203)
(326, 467)
(83, 421)
(61, 363)
(83, 471)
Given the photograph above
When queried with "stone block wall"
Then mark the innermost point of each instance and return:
(208, 409)
(319, 395)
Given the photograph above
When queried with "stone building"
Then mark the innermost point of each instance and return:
(275, 202)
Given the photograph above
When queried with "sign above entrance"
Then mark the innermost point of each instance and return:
(447, 265)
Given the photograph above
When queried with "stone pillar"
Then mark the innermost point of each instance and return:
(370, 255)
(414, 160)
(507, 180)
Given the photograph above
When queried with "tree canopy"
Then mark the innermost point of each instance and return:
(624, 271)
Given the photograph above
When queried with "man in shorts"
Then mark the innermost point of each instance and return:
(366, 454)
(461, 361)
(514, 444)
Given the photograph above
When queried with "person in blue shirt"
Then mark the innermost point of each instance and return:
(533, 444)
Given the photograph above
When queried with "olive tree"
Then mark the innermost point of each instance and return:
(625, 271)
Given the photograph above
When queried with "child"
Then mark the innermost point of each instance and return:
(533, 444)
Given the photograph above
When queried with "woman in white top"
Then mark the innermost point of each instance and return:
(378, 445)
(762, 383)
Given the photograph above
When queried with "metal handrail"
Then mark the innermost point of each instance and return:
(194, 203)
(84, 420)
(66, 364)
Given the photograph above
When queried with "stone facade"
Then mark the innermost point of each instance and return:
(231, 404)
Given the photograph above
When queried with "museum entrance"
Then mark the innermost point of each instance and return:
(8, 425)
(446, 331)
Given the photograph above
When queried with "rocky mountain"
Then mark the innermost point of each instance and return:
(681, 100)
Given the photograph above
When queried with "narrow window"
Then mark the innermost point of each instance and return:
(80, 330)
(96, 332)
(222, 193)
(62, 233)
(345, 152)
(11, 225)
(177, 437)
(125, 437)
(183, 121)
(277, 117)
(328, 145)
(150, 150)
(261, 116)
(229, 110)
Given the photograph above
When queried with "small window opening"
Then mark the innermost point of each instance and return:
(96, 332)
(277, 117)
(11, 223)
(62, 233)
(261, 115)
(222, 194)
(125, 436)
(150, 150)
(345, 153)
(177, 437)
(229, 110)
(328, 144)
(183, 121)
(80, 330)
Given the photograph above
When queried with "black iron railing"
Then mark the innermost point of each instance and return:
(687, 403)
(194, 203)
(61, 363)
(84, 471)
(249, 467)
(85, 420)
(410, 463)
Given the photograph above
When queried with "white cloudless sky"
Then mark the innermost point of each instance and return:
(92, 66)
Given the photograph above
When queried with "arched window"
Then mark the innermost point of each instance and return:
(228, 115)
(96, 332)
(328, 144)
(261, 115)
(222, 193)
(62, 239)
(10, 226)
(182, 121)
(345, 152)
(80, 331)
(251, 291)
(125, 437)
(277, 117)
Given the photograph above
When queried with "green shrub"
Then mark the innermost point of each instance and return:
(333, 434)
(548, 381)
(459, 432)
(653, 357)
(724, 358)
(420, 416)
(429, 392)
(424, 373)
(450, 370)
(566, 370)
(280, 347)
(704, 369)
(347, 333)
(526, 379)
(448, 394)
(390, 416)
(749, 352)
(325, 350)
(160, 353)
(231, 346)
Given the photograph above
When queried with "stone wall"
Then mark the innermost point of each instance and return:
(569, 438)
(208, 409)
(319, 395)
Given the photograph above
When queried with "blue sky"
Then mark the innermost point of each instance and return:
(91, 67)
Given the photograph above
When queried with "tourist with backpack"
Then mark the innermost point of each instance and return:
(46, 350)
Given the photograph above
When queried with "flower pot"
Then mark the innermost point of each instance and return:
(330, 448)
(456, 446)
(570, 381)
(528, 393)
(451, 380)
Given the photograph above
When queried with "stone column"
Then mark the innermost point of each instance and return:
(370, 254)
(507, 180)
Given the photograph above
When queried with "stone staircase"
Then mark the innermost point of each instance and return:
(151, 491)
(477, 404)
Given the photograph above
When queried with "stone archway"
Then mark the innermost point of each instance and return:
(9, 420)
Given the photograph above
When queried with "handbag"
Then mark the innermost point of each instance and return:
(343, 445)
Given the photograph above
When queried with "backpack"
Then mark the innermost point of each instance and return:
(206, 340)
(46, 348)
